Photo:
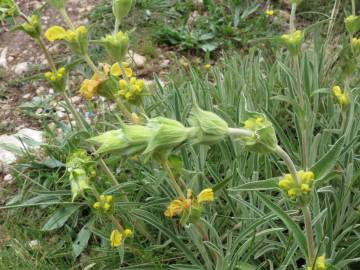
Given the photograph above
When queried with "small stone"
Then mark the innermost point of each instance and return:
(40, 91)
(33, 244)
(26, 96)
(51, 91)
(76, 99)
(61, 115)
(39, 111)
(138, 59)
(3, 61)
(9, 179)
(165, 63)
(21, 68)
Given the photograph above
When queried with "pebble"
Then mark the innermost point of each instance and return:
(40, 91)
(3, 61)
(21, 68)
(9, 179)
(26, 96)
(138, 59)
(39, 111)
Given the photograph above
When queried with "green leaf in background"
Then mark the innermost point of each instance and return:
(81, 241)
(328, 161)
(267, 184)
(290, 224)
(58, 219)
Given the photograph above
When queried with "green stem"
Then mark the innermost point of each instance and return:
(309, 235)
(47, 54)
(168, 170)
(125, 111)
(67, 19)
(353, 7)
(116, 27)
(305, 209)
(292, 18)
(91, 63)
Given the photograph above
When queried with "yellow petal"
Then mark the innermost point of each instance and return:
(175, 208)
(55, 33)
(207, 195)
(116, 238)
(97, 205)
(115, 70)
(128, 233)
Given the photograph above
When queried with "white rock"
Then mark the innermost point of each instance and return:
(34, 244)
(76, 99)
(39, 111)
(9, 179)
(3, 61)
(33, 134)
(26, 96)
(61, 115)
(164, 63)
(40, 91)
(21, 68)
(138, 59)
(51, 91)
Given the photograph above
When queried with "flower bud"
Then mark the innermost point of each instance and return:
(57, 4)
(129, 140)
(121, 8)
(168, 134)
(352, 24)
(117, 45)
(293, 41)
(57, 79)
(264, 140)
(211, 127)
(32, 27)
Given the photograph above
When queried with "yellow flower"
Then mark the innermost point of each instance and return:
(343, 100)
(55, 33)
(128, 232)
(123, 85)
(320, 263)
(337, 90)
(116, 70)
(97, 205)
(285, 184)
(207, 67)
(207, 195)
(269, 12)
(292, 193)
(88, 87)
(175, 208)
(116, 238)
(305, 188)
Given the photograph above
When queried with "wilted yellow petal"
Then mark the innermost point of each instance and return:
(175, 208)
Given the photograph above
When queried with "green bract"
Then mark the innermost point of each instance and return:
(293, 41)
(211, 128)
(80, 168)
(32, 27)
(129, 140)
(168, 134)
(58, 4)
(117, 45)
(121, 8)
(352, 24)
(264, 139)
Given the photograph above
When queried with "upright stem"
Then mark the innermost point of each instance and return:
(309, 235)
(117, 25)
(91, 63)
(67, 18)
(292, 18)
(167, 168)
(353, 7)
(47, 55)
(305, 209)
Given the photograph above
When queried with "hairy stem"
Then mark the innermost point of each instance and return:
(166, 166)
(292, 18)
(309, 234)
(67, 19)
(47, 54)
(90, 63)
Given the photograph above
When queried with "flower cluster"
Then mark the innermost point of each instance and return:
(341, 96)
(352, 24)
(117, 237)
(32, 27)
(269, 12)
(131, 90)
(81, 169)
(320, 264)
(263, 139)
(57, 79)
(189, 206)
(104, 202)
(293, 41)
(295, 190)
(75, 39)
